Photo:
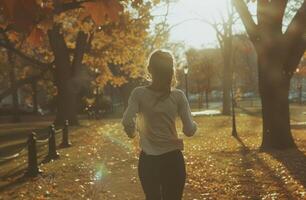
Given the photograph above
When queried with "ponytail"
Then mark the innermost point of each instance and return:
(161, 68)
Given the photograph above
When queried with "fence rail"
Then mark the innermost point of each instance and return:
(31, 144)
(15, 155)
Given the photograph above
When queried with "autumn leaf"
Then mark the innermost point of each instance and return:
(13, 36)
(114, 8)
(35, 37)
(96, 11)
(101, 11)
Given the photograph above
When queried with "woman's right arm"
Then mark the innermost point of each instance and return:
(189, 126)
(129, 116)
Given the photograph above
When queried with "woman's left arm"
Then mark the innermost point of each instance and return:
(129, 116)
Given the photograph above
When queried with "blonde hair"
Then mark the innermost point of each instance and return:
(161, 66)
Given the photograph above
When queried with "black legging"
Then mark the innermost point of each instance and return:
(162, 177)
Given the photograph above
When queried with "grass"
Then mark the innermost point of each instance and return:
(102, 164)
(223, 167)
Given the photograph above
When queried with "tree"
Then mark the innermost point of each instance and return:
(93, 33)
(224, 33)
(30, 17)
(244, 63)
(157, 38)
(279, 53)
(204, 70)
(15, 75)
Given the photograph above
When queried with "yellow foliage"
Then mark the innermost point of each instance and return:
(121, 32)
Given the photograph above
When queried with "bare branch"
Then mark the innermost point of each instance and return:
(279, 11)
(163, 30)
(297, 27)
(250, 25)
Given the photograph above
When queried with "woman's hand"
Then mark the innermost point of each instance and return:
(130, 130)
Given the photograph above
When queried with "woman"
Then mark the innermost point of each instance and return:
(161, 165)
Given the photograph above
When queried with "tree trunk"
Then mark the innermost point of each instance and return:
(274, 85)
(67, 75)
(77, 82)
(227, 76)
(279, 52)
(226, 101)
(66, 98)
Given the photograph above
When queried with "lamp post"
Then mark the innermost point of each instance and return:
(186, 81)
(234, 128)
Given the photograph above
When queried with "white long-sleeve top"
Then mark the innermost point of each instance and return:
(156, 120)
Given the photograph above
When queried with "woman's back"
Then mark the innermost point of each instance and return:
(156, 120)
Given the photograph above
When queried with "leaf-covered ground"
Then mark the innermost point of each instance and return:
(102, 164)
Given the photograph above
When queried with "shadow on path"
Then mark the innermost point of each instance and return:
(18, 181)
(250, 159)
(246, 178)
(17, 175)
(295, 162)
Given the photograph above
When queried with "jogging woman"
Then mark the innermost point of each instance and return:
(161, 165)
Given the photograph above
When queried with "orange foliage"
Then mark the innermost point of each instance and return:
(101, 11)
(36, 36)
(120, 30)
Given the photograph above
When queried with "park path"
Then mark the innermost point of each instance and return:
(97, 166)
(120, 165)
(102, 164)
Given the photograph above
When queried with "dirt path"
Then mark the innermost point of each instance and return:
(120, 165)
(102, 164)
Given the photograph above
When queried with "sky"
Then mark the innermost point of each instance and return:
(194, 32)
(188, 14)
